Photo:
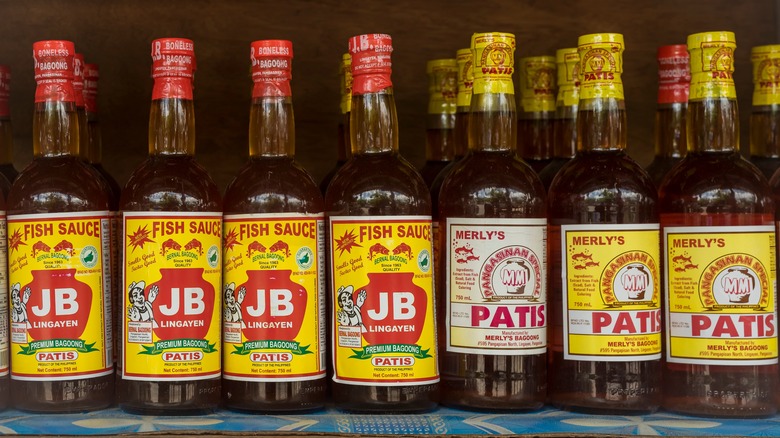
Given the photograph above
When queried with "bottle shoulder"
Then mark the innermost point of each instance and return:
(57, 184)
(274, 185)
(170, 183)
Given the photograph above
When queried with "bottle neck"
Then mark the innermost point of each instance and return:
(765, 131)
(83, 152)
(6, 141)
(55, 128)
(440, 138)
(345, 150)
(713, 125)
(670, 139)
(94, 139)
(534, 134)
(493, 122)
(272, 127)
(565, 132)
(461, 134)
(374, 123)
(172, 127)
(601, 124)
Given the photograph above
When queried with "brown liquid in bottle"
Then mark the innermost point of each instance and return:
(535, 138)
(440, 147)
(343, 154)
(670, 141)
(343, 146)
(765, 138)
(564, 145)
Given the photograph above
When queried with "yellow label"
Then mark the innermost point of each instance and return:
(721, 295)
(537, 84)
(601, 66)
(442, 86)
(712, 65)
(345, 74)
(766, 75)
(4, 339)
(273, 297)
(568, 61)
(493, 62)
(59, 270)
(611, 292)
(465, 59)
(172, 276)
(382, 282)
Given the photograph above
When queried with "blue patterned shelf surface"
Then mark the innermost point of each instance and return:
(441, 421)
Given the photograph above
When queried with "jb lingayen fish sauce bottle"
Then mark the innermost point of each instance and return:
(717, 217)
(60, 258)
(273, 287)
(605, 323)
(381, 273)
(172, 268)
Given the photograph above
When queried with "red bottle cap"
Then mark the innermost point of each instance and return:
(371, 64)
(54, 71)
(5, 90)
(674, 74)
(78, 79)
(173, 65)
(271, 67)
(91, 77)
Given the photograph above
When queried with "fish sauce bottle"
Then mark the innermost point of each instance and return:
(765, 115)
(440, 129)
(6, 134)
(273, 286)
(605, 317)
(60, 257)
(537, 110)
(171, 235)
(381, 273)
(674, 77)
(493, 306)
(717, 219)
(342, 145)
(565, 123)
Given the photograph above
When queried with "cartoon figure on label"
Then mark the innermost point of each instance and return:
(350, 314)
(19, 310)
(233, 304)
(142, 306)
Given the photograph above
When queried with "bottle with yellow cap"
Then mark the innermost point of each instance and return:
(604, 254)
(765, 118)
(442, 104)
(537, 110)
(493, 305)
(717, 217)
(343, 147)
(565, 123)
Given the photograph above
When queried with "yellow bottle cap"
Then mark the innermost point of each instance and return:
(601, 64)
(537, 83)
(568, 61)
(493, 62)
(465, 58)
(712, 65)
(442, 86)
(766, 74)
(345, 75)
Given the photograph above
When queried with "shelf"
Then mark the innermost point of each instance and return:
(443, 421)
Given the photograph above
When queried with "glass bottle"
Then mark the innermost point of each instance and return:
(605, 325)
(717, 218)
(674, 77)
(492, 308)
(537, 110)
(765, 115)
(379, 220)
(172, 272)
(345, 82)
(6, 135)
(58, 228)
(274, 257)
(565, 123)
(442, 104)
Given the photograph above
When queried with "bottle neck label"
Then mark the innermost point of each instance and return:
(720, 295)
(271, 71)
(346, 84)
(568, 78)
(766, 76)
(442, 89)
(601, 67)
(496, 287)
(383, 329)
(274, 297)
(611, 292)
(172, 88)
(493, 63)
(60, 275)
(537, 84)
(465, 60)
(170, 295)
(173, 67)
(371, 63)
(712, 70)
(674, 77)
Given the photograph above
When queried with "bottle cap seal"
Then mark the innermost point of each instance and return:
(712, 65)
(91, 77)
(371, 62)
(465, 59)
(54, 71)
(271, 67)
(766, 74)
(493, 62)
(345, 83)
(442, 86)
(568, 61)
(601, 64)
(674, 74)
(173, 68)
(537, 83)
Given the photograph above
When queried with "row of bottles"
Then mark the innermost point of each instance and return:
(563, 295)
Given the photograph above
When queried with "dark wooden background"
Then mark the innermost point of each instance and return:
(117, 36)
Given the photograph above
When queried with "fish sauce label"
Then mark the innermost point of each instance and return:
(4, 338)
(496, 292)
(172, 277)
(273, 294)
(611, 292)
(382, 292)
(721, 295)
(60, 282)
